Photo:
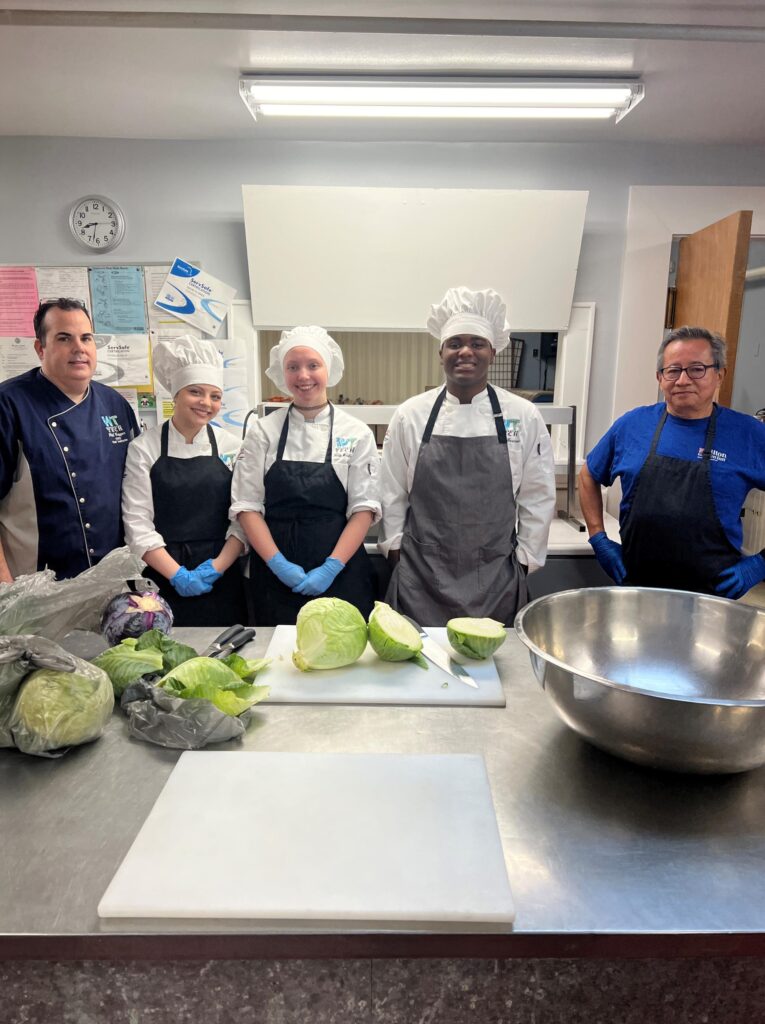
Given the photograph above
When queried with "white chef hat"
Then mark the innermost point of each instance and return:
(307, 337)
(462, 311)
(179, 362)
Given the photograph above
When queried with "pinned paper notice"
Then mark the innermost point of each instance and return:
(195, 296)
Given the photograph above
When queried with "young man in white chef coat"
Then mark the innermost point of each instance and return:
(467, 478)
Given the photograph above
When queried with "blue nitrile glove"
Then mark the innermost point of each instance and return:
(286, 571)
(609, 554)
(188, 583)
(207, 573)
(735, 581)
(319, 579)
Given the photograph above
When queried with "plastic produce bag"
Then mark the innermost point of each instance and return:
(61, 703)
(20, 655)
(41, 604)
(190, 724)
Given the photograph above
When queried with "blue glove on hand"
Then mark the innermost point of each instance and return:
(609, 554)
(207, 573)
(735, 581)
(188, 584)
(289, 573)
(320, 578)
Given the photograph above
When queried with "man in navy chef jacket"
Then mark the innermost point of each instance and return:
(63, 441)
(686, 466)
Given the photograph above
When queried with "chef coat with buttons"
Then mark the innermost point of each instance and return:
(137, 500)
(61, 465)
(529, 451)
(354, 458)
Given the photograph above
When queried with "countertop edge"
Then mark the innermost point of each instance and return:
(166, 946)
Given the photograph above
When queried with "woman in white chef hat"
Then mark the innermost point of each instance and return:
(177, 490)
(467, 478)
(306, 487)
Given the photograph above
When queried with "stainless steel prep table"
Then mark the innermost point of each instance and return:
(604, 858)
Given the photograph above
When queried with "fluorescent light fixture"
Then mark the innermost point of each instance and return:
(490, 98)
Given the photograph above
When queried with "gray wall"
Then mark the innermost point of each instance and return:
(749, 383)
(184, 198)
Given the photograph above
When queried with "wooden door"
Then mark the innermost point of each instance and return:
(710, 283)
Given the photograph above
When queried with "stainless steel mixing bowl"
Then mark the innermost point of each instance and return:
(662, 677)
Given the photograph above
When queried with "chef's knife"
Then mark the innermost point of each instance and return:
(435, 653)
(230, 639)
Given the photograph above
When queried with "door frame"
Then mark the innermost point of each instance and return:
(655, 215)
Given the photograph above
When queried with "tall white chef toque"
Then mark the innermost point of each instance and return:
(179, 362)
(306, 337)
(463, 311)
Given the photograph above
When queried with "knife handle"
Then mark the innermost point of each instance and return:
(227, 635)
(247, 634)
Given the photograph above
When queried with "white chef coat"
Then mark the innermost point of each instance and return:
(137, 499)
(354, 458)
(528, 447)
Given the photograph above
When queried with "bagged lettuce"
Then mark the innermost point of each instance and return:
(210, 679)
(55, 710)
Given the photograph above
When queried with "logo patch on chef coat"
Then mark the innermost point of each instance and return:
(114, 429)
(513, 428)
(344, 448)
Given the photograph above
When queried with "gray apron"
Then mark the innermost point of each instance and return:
(458, 547)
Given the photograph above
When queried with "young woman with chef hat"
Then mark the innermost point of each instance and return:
(305, 487)
(467, 478)
(177, 491)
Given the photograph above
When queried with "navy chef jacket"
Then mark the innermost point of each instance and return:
(61, 468)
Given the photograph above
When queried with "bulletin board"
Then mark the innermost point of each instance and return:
(357, 259)
(126, 324)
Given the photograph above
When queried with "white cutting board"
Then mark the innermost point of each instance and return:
(392, 841)
(373, 681)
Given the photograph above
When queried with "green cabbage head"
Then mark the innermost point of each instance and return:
(330, 633)
(61, 709)
(475, 638)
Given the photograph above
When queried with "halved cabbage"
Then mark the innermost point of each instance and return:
(476, 638)
(330, 633)
(393, 638)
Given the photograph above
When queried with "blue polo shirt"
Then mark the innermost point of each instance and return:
(736, 467)
(61, 466)
(737, 464)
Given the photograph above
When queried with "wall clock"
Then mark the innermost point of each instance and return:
(97, 223)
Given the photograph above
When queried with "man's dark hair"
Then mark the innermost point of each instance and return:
(43, 308)
(716, 343)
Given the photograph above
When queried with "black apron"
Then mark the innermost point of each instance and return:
(191, 503)
(672, 537)
(458, 548)
(306, 509)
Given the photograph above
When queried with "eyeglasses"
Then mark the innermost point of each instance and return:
(695, 371)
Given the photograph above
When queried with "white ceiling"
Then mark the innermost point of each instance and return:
(170, 70)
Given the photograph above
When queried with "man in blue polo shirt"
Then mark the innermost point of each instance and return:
(686, 467)
(63, 441)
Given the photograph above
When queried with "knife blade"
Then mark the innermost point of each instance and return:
(435, 653)
(229, 640)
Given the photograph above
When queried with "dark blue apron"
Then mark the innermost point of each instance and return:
(672, 537)
(306, 509)
(191, 502)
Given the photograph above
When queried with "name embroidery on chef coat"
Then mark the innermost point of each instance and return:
(115, 430)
